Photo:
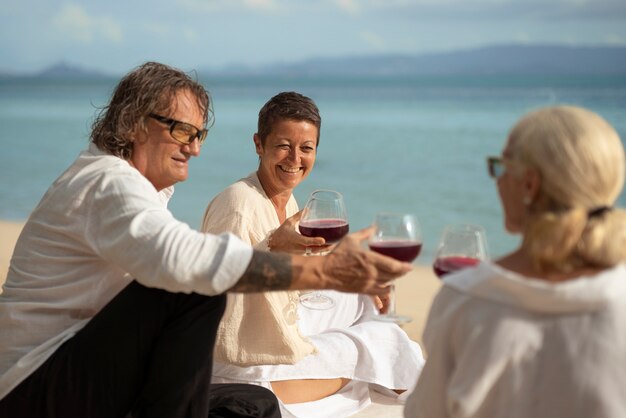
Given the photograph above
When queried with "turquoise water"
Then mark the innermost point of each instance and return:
(416, 145)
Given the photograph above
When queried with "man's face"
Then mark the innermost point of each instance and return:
(159, 157)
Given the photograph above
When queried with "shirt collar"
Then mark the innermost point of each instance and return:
(585, 293)
(164, 195)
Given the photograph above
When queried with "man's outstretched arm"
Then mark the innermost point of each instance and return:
(348, 268)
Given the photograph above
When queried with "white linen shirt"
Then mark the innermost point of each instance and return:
(244, 209)
(501, 345)
(99, 226)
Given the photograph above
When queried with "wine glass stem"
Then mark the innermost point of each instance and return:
(392, 299)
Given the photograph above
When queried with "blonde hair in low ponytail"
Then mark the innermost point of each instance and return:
(551, 239)
(603, 242)
(580, 160)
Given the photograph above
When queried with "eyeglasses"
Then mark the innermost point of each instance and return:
(182, 132)
(495, 167)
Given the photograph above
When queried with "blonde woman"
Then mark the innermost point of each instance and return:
(540, 332)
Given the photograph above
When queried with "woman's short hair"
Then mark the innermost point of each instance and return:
(150, 88)
(580, 160)
(288, 106)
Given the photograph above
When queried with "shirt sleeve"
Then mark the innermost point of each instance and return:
(129, 227)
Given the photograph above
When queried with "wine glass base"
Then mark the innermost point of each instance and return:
(316, 301)
(395, 318)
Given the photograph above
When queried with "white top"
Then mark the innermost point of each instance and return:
(244, 209)
(503, 345)
(349, 344)
(99, 226)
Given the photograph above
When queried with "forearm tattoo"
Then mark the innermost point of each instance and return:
(267, 271)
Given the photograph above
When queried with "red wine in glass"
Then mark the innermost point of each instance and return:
(461, 246)
(332, 230)
(406, 251)
(447, 265)
(323, 216)
(396, 235)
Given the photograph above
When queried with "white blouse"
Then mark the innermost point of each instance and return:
(503, 345)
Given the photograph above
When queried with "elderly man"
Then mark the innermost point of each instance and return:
(111, 305)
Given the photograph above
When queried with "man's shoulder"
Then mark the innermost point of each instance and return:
(106, 171)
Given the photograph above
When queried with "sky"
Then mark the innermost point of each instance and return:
(113, 36)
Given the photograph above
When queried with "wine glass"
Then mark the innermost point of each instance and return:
(460, 246)
(397, 235)
(324, 216)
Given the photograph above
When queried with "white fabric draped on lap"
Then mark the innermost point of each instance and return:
(350, 345)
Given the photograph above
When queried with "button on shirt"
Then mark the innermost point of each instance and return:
(99, 226)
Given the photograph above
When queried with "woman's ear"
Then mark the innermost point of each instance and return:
(258, 145)
(531, 185)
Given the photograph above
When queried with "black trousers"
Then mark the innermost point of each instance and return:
(239, 400)
(148, 353)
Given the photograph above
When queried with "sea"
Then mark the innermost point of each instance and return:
(403, 144)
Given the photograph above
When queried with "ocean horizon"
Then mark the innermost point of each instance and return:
(413, 144)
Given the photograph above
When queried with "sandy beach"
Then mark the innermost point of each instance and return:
(414, 291)
(9, 231)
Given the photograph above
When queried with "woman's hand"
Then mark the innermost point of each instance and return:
(382, 302)
(287, 239)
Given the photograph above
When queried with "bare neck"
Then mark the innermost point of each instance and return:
(279, 199)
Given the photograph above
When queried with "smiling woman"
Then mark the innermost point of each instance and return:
(287, 155)
(318, 363)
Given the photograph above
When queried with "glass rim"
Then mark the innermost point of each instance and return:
(465, 227)
(395, 214)
(323, 192)
(413, 235)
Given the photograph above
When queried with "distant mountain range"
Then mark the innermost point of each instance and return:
(491, 60)
(61, 70)
(505, 59)
(65, 70)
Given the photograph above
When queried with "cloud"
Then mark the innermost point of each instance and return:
(425, 9)
(616, 40)
(501, 9)
(211, 6)
(266, 5)
(372, 39)
(158, 30)
(73, 21)
(203, 5)
(351, 7)
(523, 38)
(189, 35)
